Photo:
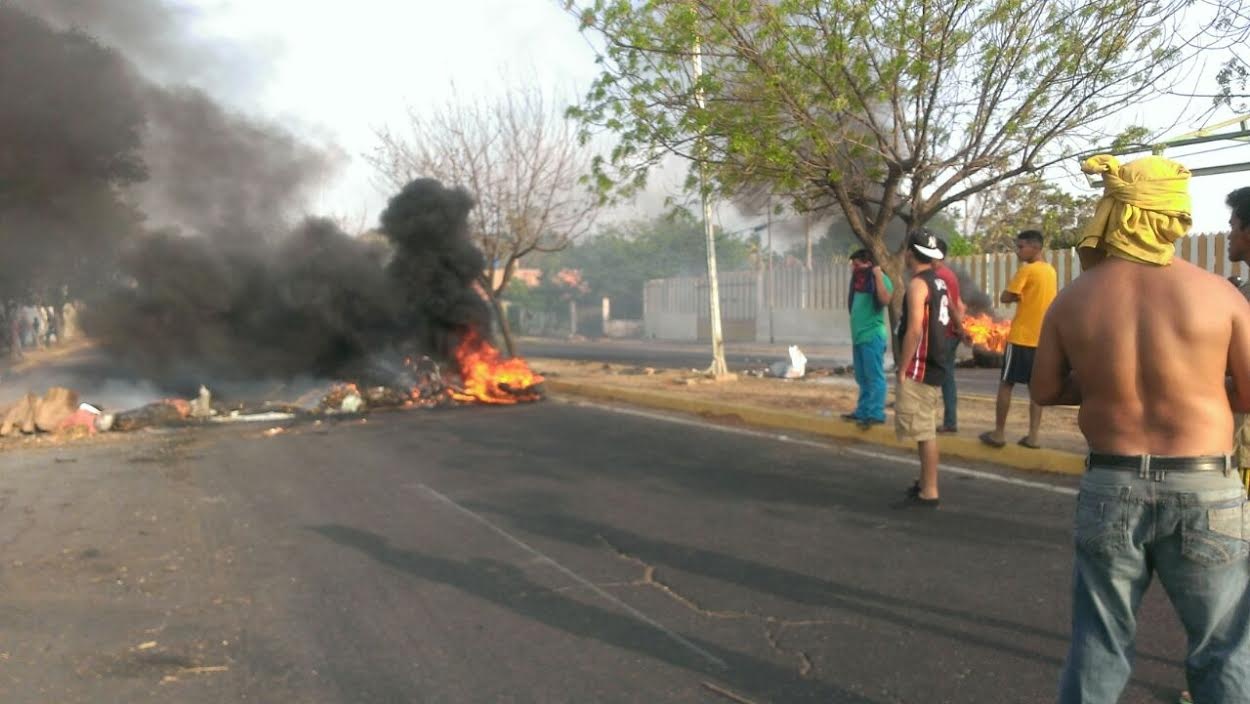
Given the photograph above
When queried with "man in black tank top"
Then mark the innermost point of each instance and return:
(921, 370)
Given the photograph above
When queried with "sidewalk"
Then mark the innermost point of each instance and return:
(815, 406)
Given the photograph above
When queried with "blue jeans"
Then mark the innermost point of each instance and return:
(950, 399)
(1189, 528)
(870, 376)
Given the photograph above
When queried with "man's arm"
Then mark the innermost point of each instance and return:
(1014, 289)
(883, 291)
(1239, 359)
(917, 298)
(1053, 383)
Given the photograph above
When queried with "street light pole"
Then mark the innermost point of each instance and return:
(718, 369)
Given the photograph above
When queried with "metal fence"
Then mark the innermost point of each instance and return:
(824, 287)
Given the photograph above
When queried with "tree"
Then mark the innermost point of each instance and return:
(995, 216)
(621, 257)
(886, 109)
(521, 160)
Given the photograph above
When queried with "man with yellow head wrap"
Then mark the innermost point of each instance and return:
(1144, 209)
(1154, 350)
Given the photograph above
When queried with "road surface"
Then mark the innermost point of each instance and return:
(546, 553)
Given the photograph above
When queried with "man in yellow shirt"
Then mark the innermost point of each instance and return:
(1032, 290)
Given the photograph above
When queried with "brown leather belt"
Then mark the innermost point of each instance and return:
(1145, 464)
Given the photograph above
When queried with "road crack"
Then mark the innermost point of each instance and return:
(772, 626)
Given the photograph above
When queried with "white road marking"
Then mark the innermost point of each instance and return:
(955, 469)
(899, 459)
(543, 558)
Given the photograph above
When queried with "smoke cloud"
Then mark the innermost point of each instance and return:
(111, 131)
(316, 302)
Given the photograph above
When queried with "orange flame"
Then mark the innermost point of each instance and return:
(987, 333)
(488, 378)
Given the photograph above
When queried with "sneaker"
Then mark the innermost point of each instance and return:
(947, 430)
(917, 501)
(850, 417)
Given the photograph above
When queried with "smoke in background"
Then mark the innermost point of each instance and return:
(315, 303)
(159, 38)
(102, 144)
(975, 300)
(223, 175)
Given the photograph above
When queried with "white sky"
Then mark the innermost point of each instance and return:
(344, 68)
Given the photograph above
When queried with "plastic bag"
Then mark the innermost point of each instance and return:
(796, 368)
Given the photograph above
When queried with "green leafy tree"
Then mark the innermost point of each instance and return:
(621, 257)
(885, 109)
(996, 215)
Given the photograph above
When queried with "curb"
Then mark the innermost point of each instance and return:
(1043, 460)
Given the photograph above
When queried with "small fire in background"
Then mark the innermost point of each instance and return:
(489, 378)
(987, 333)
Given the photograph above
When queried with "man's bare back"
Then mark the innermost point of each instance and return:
(1149, 348)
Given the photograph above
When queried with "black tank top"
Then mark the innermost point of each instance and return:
(927, 365)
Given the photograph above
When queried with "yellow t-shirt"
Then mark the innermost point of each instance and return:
(1036, 283)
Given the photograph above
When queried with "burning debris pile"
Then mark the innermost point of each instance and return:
(400, 329)
(987, 334)
(484, 377)
(320, 304)
(989, 339)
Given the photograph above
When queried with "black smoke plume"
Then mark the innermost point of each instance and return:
(315, 303)
(975, 300)
(109, 132)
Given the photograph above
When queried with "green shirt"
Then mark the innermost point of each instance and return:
(868, 321)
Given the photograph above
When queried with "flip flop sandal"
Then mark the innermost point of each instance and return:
(988, 439)
(1024, 442)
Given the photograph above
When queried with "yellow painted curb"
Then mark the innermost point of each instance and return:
(1043, 460)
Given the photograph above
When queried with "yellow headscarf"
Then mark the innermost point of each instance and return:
(1145, 207)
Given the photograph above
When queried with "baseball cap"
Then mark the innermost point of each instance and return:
(925, 243)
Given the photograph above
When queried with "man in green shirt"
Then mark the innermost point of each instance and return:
(867, 300)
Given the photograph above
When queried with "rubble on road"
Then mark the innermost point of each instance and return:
(484, 377)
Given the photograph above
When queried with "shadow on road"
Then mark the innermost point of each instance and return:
(792, 586)
(507, 586)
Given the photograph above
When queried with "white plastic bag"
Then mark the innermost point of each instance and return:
(796, 368)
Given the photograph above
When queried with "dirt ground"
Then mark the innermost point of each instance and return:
(826, 395)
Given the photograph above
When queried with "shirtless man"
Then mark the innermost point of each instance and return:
(1153, 350)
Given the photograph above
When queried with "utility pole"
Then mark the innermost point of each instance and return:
(807, 227)
(772, 284)
(718, 369)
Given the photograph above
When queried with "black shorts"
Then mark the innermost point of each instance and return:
(1018, 364)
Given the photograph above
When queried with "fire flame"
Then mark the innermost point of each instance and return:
(488, 378)
(987, 333)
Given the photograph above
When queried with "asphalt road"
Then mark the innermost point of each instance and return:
(668, 355)
(546, 553)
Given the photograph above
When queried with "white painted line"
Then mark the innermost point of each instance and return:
(900, 459)
(541, 557)
(955, 469)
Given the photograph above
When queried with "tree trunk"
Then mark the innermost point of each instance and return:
(893, 266)
(505, 329)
